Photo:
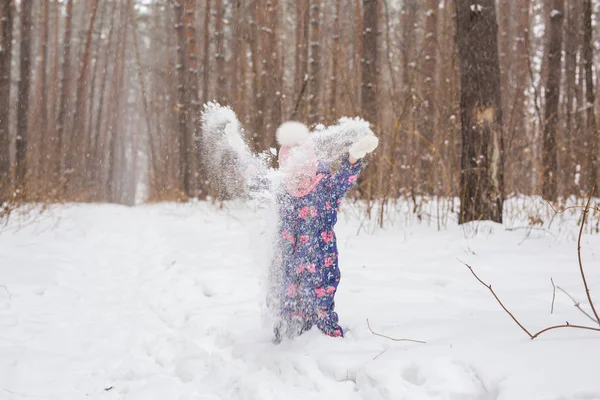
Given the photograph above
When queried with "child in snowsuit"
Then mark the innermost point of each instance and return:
(306, 255)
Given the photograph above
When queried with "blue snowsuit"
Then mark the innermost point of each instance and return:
(306, 254)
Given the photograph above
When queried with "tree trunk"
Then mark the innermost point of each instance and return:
(481, 180)
(517, 120)
(335, 61)
(54, 151)
(192, 98)
(6, 27)
(549, 155)
(236, 48)
(358, 49)
(407, 46)
(258, 105)
(315, 115)
(370, 67)
(206, 54)
(113, 187)
(572, 43)
(301, 57)
(182, 106)
(42, 123)
(588, 60)
(505, 40)
(428, 109)
(220, 52)
(23, 92)
(76, 156)
(98, 142)
(272, 87)
(65, 90)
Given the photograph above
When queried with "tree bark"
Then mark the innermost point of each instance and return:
(182, 106)
(206, 54)
(358, 49)
(236, 48)
(192, 96)
(370, 67)
(23, 93)
(335, 55)
(65, 90)
(481, 179)
(572, 44)
(43, 89)
(6, 27)
(220, 53)
(588, 61)
(76, 156)
(315, 115)
(113, 186)
(258, 105)
(272, 79)
(99, 142)
(301, 56)
(428, 109)
(549, 154)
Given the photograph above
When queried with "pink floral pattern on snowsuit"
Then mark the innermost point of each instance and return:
(307, 254)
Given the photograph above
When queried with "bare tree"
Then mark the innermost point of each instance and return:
(76, 154)
(42, 87)
(335, 56)
(481, 180)
(301, 55)
(428, 110)
(191, 95)
(588, 61)
(182, 104)
(220, 52)
(272, 75)
(370, 67)
(554, 37)
(206, 53)
(6, 21)
(23, 92)
(65, 89)
(315, 115)
(572, 44)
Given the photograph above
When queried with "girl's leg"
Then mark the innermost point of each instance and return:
(327, 319)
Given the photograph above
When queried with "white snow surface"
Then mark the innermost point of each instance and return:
(165, 302)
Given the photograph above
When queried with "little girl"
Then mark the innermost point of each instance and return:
(305, 264)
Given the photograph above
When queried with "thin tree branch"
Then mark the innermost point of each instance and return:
(497, 299)
(587, 289)
(566, 325)
(568, 208)
(576, 304)
(391, 338)
(553, 295)
(379, 355)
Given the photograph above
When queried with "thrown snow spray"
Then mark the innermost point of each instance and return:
(236, 172)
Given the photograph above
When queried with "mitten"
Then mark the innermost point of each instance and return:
(364, 146)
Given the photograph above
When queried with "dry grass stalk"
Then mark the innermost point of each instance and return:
(391, 338)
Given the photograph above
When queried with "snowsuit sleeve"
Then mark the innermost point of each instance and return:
(344, 179)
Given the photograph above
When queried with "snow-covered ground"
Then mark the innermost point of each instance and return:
(164, 302)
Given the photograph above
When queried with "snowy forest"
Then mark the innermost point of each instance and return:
(100, 99)
(299, 199)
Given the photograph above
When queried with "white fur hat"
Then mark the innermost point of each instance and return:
(291, 133)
